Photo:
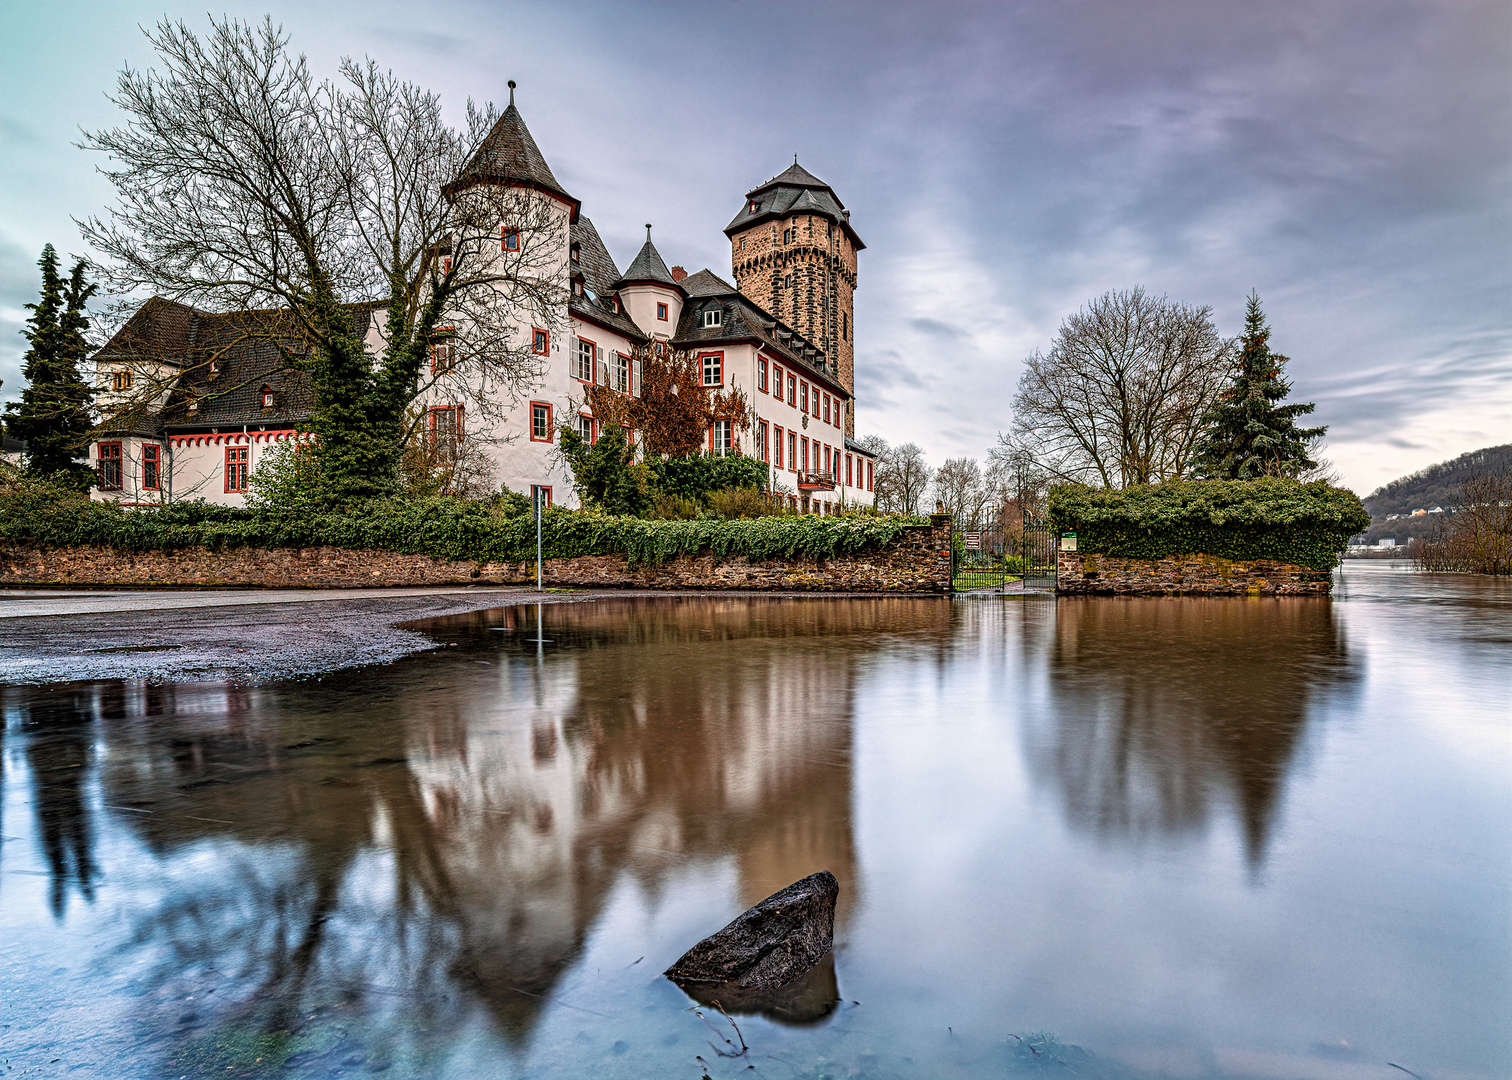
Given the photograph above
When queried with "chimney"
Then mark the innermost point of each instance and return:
(678, 273)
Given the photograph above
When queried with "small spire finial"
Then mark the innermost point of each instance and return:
(511, 96)
(648, 232)
(795, 157)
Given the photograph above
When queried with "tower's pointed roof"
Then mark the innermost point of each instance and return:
(648, 267)
(508, 155)
(795, 190)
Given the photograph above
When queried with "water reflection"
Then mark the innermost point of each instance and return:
(1164, 712)
(443, 836)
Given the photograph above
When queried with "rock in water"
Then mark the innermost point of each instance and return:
(771, 944)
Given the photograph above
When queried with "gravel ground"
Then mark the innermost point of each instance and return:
(48, 637)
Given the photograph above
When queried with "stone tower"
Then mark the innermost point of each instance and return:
(793, 252)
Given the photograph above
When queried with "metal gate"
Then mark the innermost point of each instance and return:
(1003, 552)
(1038, 556)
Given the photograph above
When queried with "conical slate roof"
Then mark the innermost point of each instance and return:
(508, 155)
(795, 175)
(647, 266)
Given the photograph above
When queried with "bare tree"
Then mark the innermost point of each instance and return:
(1476, 536)
(1120, 397)
(902, 478)
(247, 186)
(961, 489)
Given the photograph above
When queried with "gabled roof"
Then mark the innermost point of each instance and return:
(795, 190)
(742, 320)
(648, 268)
(508, 155)
(160, 330)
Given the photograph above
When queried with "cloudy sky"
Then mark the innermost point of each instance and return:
(1004, 163)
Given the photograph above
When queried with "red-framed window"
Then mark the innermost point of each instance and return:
(848, 470)
(540, 421)
(542, 492)
(803, 397)
(509, 239)
(869, 477)
(763, 449)
(792, 390)
(839, 414)
(712, 365)
(108, 469)
(152, 466)
(583, 362)
(778, 447)
(828, 461)
(761, 375)
(445, 432)
(236, 467)
(540, 341)
(722, 437)
(586, 429)
(793, 451)
(443, 354)
(661, 312)
(804, 447)
(777, 382)
(620, 376)
(266, 396)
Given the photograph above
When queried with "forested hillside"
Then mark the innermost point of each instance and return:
(1433, 486)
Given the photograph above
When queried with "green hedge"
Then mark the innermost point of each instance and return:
(442, 527)
(1304, 524)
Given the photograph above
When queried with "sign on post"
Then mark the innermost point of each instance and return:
(973, 540)
(1068, 541)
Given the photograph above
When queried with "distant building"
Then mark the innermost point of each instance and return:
(783, 333)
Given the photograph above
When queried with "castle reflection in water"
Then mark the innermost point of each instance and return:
(454, 825)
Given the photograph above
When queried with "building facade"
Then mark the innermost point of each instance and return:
(218, 398)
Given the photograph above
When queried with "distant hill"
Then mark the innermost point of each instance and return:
(1423, 490)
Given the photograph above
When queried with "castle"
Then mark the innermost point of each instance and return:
(783, 333)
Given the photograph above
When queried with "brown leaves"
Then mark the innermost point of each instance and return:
(674, 409)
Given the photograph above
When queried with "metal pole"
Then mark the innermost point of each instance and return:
(539, 496)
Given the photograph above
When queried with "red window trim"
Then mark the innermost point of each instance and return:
(506, 235)
(792, 390)
(227, 472)
(544, 488)
(763, 436)
(445, 333)
(761, 374)
(848, 471)
(537, 334)
(869, 476)
(592, 364)
(661, 312)
(704, 355)
(117, 458)
(792, 452)
(152, 453)
(777, 391)
(803, 445)
(777, 434)
(549, 420)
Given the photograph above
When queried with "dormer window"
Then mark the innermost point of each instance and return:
(576, 252)
(755, 206)
(192, 405)
(713, 317)
(509, 239)
(577, 288)
(267, 397)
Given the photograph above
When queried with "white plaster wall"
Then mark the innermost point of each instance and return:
(640, 304)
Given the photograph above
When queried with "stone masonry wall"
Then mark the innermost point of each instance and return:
(1091, 574)
(917, 561)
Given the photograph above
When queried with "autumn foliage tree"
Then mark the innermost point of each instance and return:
(674, 409)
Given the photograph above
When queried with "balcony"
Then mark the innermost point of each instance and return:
(816, 481)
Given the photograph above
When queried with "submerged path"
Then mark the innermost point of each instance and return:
(49, 636)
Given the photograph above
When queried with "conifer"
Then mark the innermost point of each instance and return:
(52, 416)
(1249, 433)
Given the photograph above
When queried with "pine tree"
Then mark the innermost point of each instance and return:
(53, 413)
(1249, 433)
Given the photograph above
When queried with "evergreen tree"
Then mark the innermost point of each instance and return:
(53, 413)
(1249, 433)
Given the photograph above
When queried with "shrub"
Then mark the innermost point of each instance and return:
(1304, 524)
(694, 477)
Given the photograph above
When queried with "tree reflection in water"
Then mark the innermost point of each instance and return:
(1162, 711)
(58, 755)
(442, 834)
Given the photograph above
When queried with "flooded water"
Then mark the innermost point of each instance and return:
(1229, 837)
